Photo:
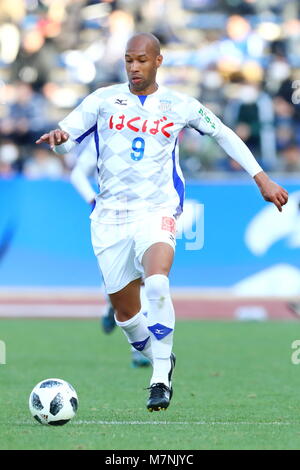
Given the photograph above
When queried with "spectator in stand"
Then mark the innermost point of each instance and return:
(250, 112)
(26, 115)
(76, 46)
(43, 164)
(9, 154)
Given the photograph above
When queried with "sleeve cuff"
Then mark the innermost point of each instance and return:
(64, 148)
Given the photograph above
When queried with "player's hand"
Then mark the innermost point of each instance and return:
(271, 191)
(55, 137)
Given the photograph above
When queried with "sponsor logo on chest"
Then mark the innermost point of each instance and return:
(153, 126)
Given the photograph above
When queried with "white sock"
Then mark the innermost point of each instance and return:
(136, 331)
(144, 301)
(161, 321)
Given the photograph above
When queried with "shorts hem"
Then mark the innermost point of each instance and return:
(113, 289)
(142, 252)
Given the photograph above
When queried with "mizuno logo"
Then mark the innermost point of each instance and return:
(140, 345)
(121, 102)
(159, 330)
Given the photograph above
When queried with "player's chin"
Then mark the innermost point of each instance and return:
(137, 85)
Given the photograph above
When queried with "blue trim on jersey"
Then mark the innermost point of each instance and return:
(178, 183)
(96, 138)
(200, 132)
(142, 99)
(88, 132)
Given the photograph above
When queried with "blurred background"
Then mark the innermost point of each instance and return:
(241, 58)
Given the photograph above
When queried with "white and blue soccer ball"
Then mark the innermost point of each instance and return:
(53, 401)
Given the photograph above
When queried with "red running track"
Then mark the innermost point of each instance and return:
(187, 305)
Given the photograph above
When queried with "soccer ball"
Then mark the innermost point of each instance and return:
(53, 401)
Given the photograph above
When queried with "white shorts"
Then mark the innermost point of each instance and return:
(119, 248)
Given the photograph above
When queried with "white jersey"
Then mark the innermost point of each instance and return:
(85, 168)
(136, 141)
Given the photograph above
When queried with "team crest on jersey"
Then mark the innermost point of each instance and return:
(165, 105)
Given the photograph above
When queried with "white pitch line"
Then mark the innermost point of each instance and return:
(185, 423)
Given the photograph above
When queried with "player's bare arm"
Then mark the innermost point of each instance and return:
(271, 191)
(54, 137)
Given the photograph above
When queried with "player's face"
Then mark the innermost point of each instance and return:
(142, 63)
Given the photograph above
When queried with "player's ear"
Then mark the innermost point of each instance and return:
(159, 60)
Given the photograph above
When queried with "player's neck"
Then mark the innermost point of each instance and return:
(146, 91)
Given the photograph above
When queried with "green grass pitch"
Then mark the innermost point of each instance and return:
(235, 387)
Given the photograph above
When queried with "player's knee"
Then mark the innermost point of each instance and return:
(126, 309)
(157, 287)
(124, 314)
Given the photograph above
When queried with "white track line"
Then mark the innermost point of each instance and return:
(172, 423)
(185, 423)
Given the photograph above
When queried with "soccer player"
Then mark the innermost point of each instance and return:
(142, 193)
(85, 168)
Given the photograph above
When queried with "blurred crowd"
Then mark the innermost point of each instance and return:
(241, 58)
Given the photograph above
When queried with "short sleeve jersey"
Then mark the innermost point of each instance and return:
(136, 141)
